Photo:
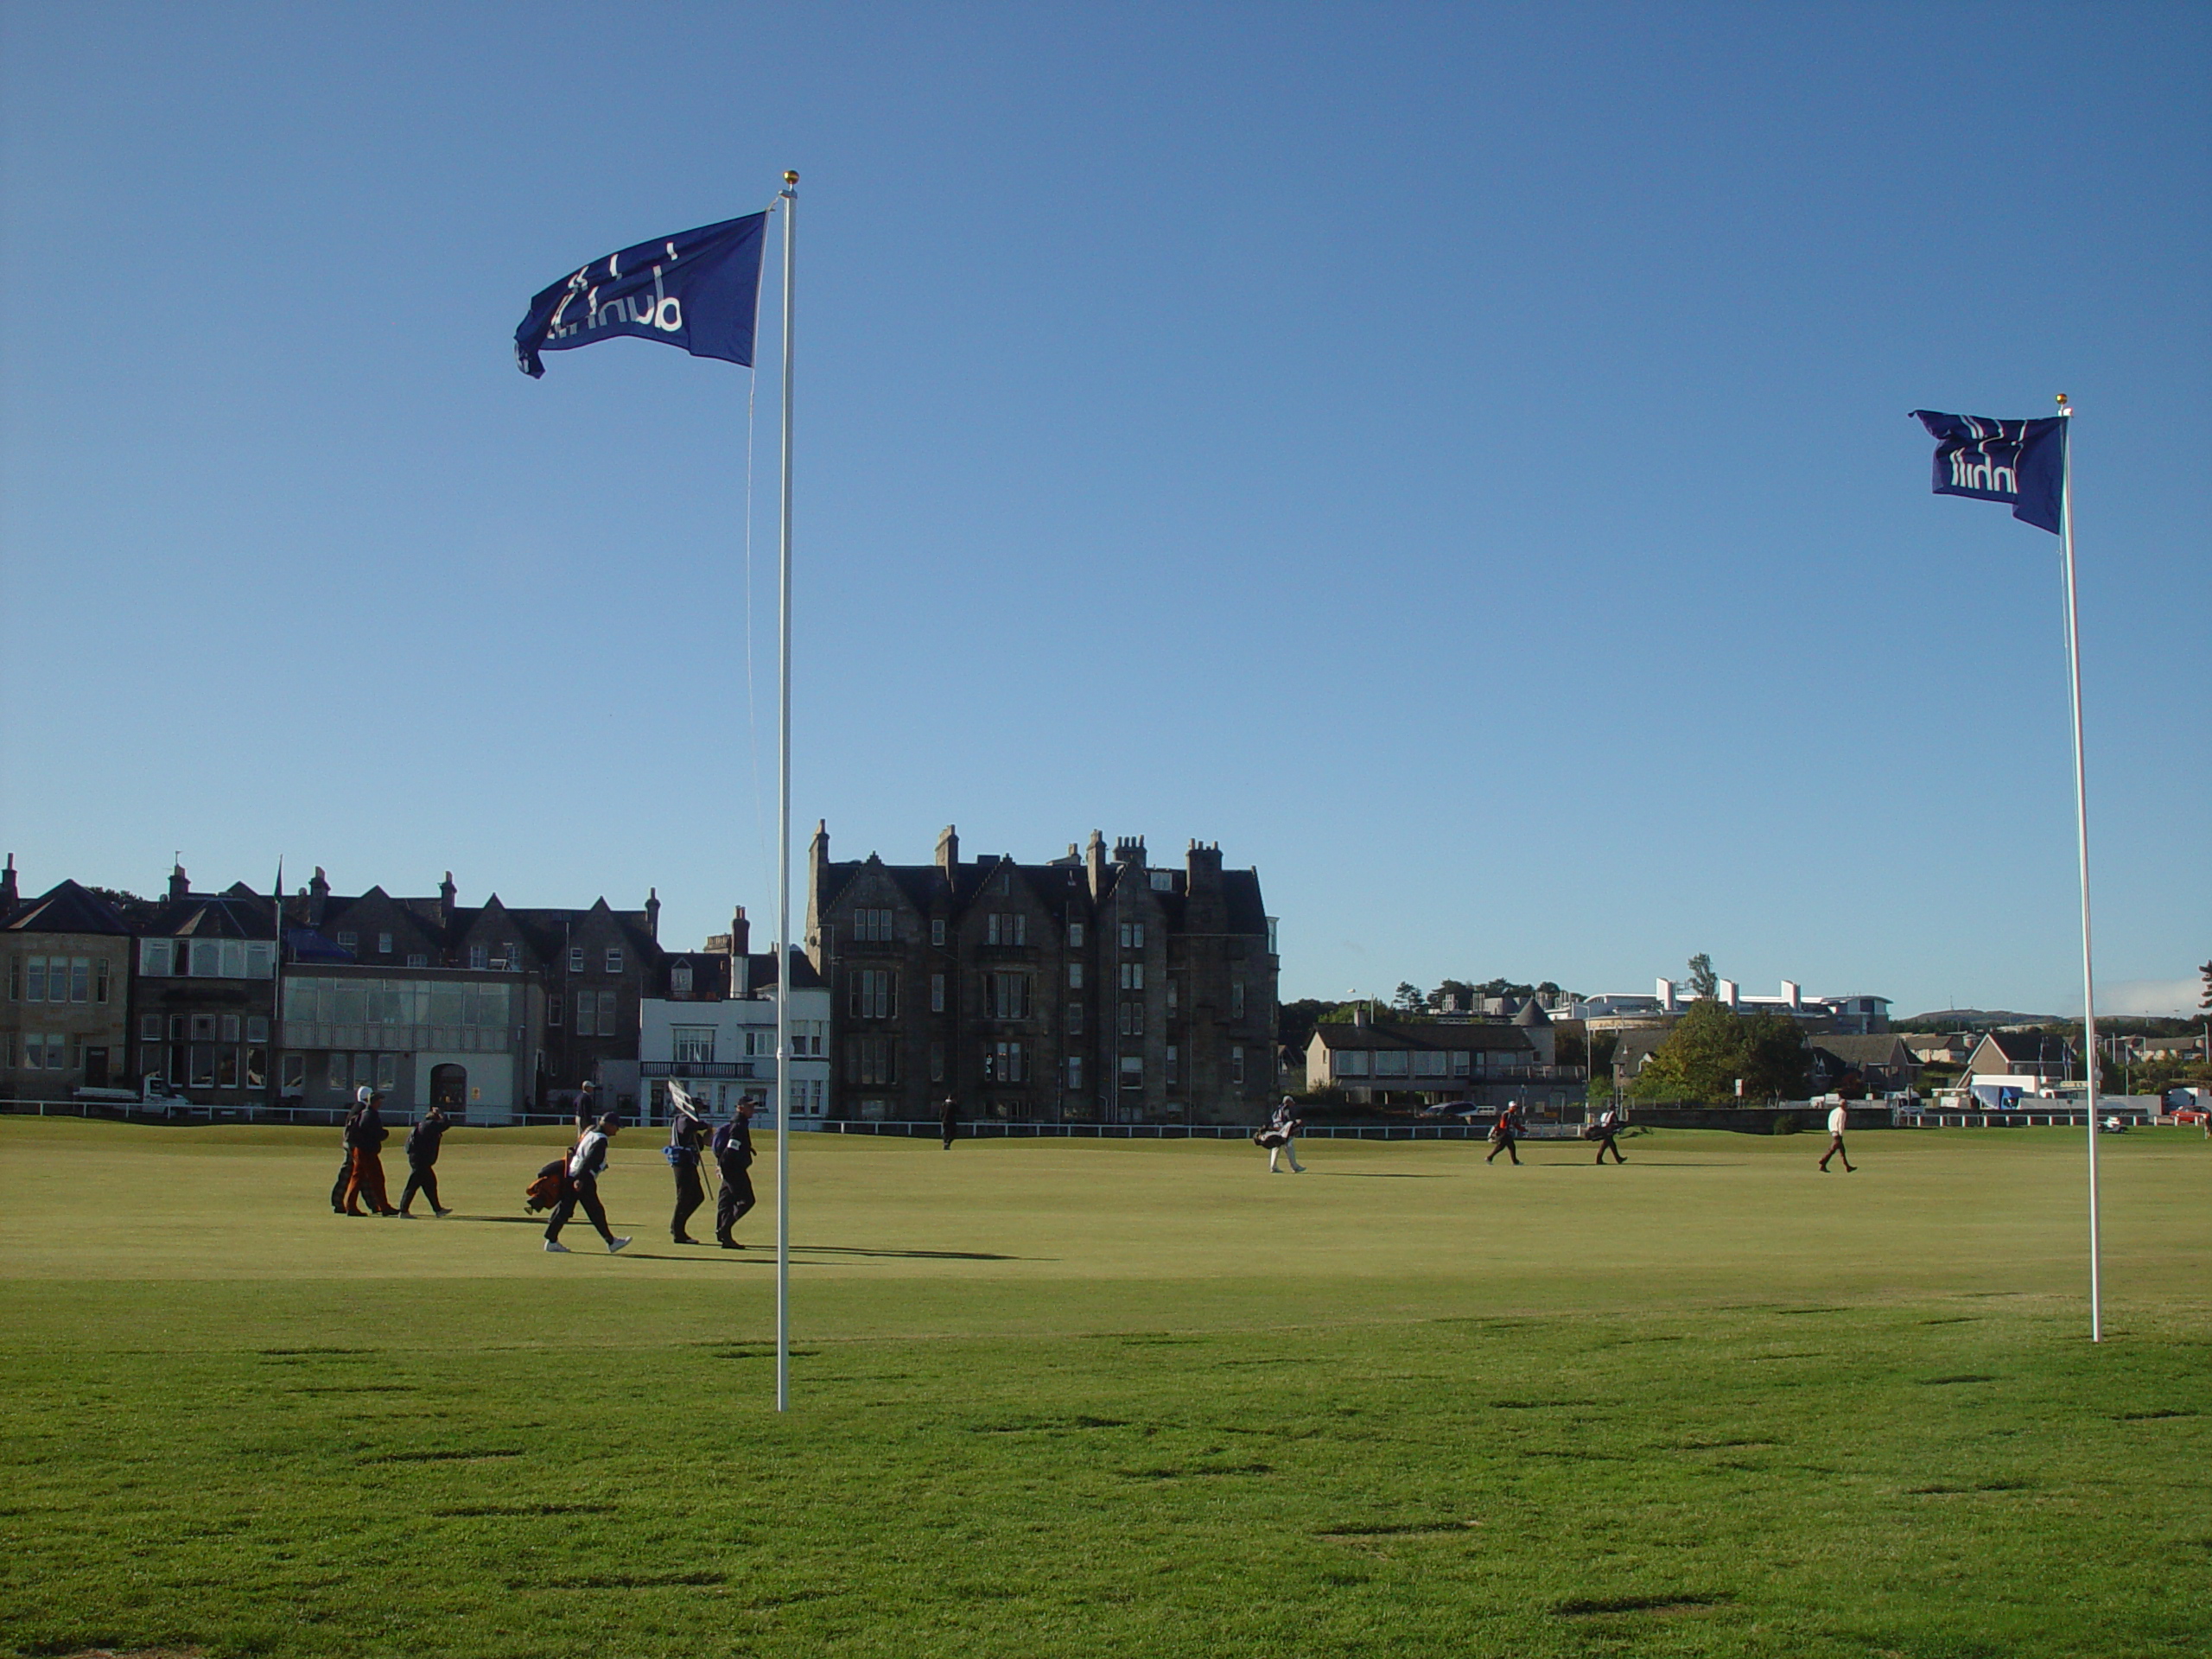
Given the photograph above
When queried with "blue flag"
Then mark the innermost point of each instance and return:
(2021, 463)
(699, 290)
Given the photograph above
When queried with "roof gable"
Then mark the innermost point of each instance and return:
(68, 908)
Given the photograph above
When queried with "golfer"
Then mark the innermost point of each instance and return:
(587, 1110)
(346, 1153)
(1503, 1132)
(581, 1187)
(733, 1149)
(687, 1138)
(1281, 1139)
(948, 1119)
(1838, 1119)
(364, 1134)
(1608, 1126)
(423, 1159)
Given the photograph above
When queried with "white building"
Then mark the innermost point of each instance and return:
(1847, 1015)
(713, 1030)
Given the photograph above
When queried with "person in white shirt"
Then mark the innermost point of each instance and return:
(1279, 1138)
(1838, 1118)
(582, 1188)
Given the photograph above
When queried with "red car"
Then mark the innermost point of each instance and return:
(2196, 1114)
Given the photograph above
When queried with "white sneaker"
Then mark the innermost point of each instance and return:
(614, 1246)
(555, 1247)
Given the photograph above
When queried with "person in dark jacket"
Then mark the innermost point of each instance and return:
(733, 1148)
(581, 1187)
(421, 1161)
(1503, 1132)
(366, 1134)
(687, 1139)
(587, 1110)
(948, 1119)
(345, 1152)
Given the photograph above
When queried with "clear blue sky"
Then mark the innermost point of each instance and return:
(1456, 457)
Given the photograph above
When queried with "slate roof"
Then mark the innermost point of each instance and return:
(926, 886)
(68, 908)
(1888, 1050)
(2030, 1047)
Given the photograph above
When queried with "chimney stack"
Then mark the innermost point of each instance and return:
(317, 895)
(9, 897)
(653, 914)
(740, 949)
(446, 893)
(180, 883)
(1094, 860)
(948, 852)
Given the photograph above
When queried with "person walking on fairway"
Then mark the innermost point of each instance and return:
(422, 1159)
(1607, 1127)
(948, 1119)
(687, 1139)
(581, 1187)
(1838, 1119)
(587, 1110)
(733, 1149)
(346, 1153)
(1503, 1132)
(1281, 1138)
(367, 1134)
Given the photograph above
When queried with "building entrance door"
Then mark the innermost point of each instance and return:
(450, 1087)
(96, 1068)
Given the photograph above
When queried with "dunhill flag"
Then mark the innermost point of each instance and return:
(699, 290)
(2023, 462)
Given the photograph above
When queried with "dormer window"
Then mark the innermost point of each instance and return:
(679, 979)
(477, 954)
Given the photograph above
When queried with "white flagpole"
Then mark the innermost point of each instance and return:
(2082, 841)
(784, 848)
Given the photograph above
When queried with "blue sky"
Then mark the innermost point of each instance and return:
(1455, 457)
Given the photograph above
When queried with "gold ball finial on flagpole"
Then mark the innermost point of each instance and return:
(2061, 400)
(793, 178)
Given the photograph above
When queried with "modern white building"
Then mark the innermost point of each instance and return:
(1846, 1015)
(712, 1029)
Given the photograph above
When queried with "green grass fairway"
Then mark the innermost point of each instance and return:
(1113, 1398)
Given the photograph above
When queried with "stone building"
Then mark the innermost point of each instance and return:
(1082, 990)
(67, 965)
(711, 1028)
(203, 1001)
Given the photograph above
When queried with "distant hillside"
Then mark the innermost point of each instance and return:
(1971, 1019)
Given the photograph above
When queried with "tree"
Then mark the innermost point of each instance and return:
(1410, 999)
(1700, 1059)
(2207, 972)
(1703, 981)
(1455, 991)
(1778, 1061)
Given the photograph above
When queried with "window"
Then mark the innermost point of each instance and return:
(695, 1045)
(156, 957)
(586, 1013)
(1349, 1062)
(1002, 1063)
(553, 1011)
(679, 980)
(99, 980)
(202, 1072)
(1171, 997)
(15, 979)
(873, 994)
(871, 1061)
(576, 958)
(1074, 934)
(1236, 1064)
(347, 939)
(338, 1071)
(363, 1070)
(1163, 880)
(203, 1027)
(1132, 1019)
(1132, 936)
(1392, 1063)
(154, 1062)
(1132, 1070)
(1460, 1058)
(1133, 975)
(256, 1068)
(615, 962)
(1075, 1072)
(387, 1071)
(936, 1061)
(1001, 927)
(34, 980)
(1075, 975)
(261, 958)
(1075, 1019)
(149, 1027)
(937, 993)
(872, 926)
(383, 945)
(1172, 1071)
(1236, 999)
(1007, 996)
(477, 956)
(227, 1068)
(1003, 883)
(417, 959)
(295, 1074)
(1430, 1064)
(937, 931)
(1271, 937)
(229, 1027)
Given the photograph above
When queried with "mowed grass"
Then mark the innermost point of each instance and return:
(1080, 1397)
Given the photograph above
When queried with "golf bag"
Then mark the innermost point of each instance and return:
(544, 1191)
(1269, 1138)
